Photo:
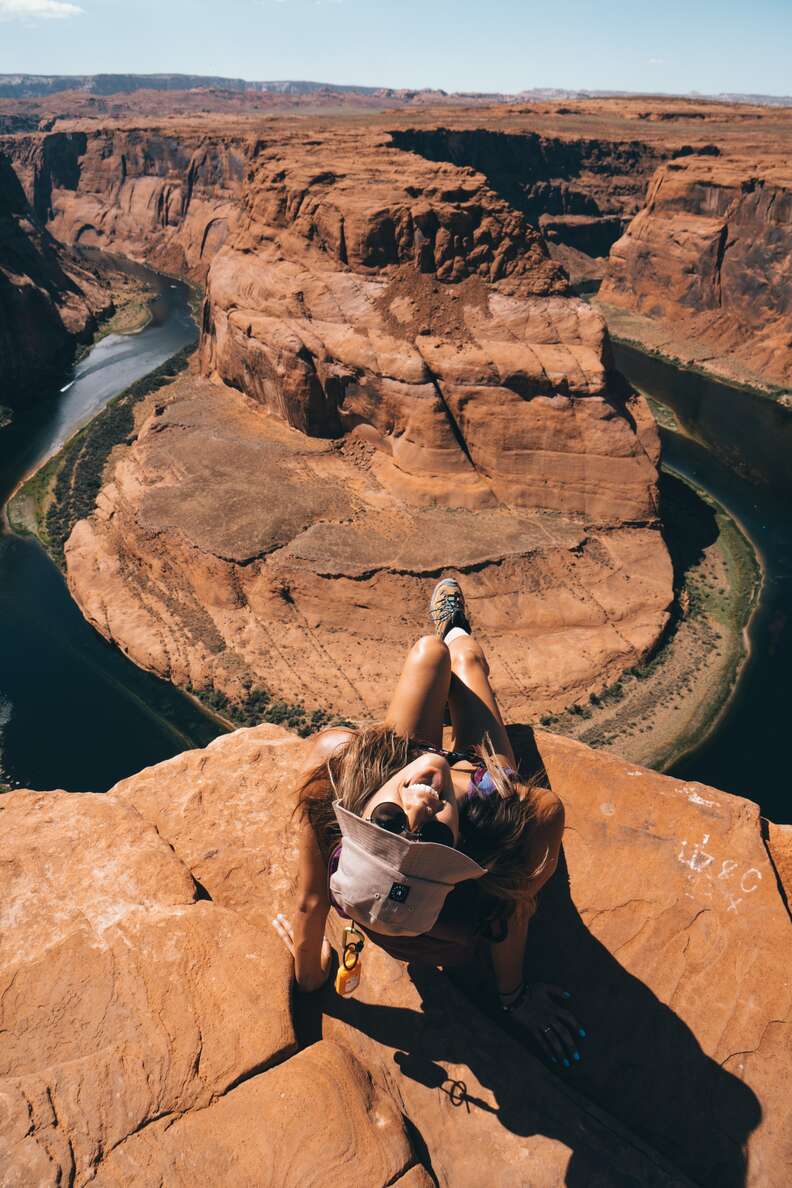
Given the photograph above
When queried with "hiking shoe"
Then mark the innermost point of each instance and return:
(447, 607)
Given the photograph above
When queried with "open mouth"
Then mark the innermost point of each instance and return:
(420, 787)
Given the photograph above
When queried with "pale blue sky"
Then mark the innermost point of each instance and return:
(506, 45)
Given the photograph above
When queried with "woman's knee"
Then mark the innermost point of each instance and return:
(429, 651)
(466, 651)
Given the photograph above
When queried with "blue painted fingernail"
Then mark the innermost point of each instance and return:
(577, 1055)
(581, 1032)
(567, 994)
(566, 1063)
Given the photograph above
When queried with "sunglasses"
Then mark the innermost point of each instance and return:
(393, 818)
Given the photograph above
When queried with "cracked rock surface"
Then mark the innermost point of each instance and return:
(147, 1031)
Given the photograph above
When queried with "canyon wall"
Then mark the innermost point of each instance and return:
(689, 271)
(48, 302)
(417, 392)
(395, 293)
(161, 1045)
(701, 272)
(708, 263)
(163, 196)
(581, 191)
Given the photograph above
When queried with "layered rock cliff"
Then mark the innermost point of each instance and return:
(163, 195)
(581, 191)
(48, 302)
(148, 1032)
(165, 188)
(708, 261)
(420, 393)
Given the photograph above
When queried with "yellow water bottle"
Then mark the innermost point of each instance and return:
(350, 969)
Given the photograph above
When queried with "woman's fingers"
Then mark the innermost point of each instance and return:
(420, 805)
(559, 1043)
(555, 991)
(555, 1027)
(566, 1037)
(284, 930)
(550, 1043)
(570, 1020)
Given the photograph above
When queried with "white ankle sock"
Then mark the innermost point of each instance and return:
(455, 633)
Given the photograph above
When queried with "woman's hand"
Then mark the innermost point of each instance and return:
(421, 804)
(542, 1010)
(285, 931)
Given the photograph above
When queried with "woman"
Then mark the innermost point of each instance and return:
(433, 854)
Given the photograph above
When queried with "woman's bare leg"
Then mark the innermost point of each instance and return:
(474, 710)
(418, 705)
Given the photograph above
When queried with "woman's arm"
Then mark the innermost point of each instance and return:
(305, 938)
(311, 952)
(507, 956)
(539, 1007)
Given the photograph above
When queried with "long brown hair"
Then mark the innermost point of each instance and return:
(354, 771)
(494, 830)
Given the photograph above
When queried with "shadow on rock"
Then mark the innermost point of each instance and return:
(641, 1064)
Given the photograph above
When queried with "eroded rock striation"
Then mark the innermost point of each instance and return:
(47, 301)
(420, 393)
(160, 1044)
(708, 261)
(161, 196)
(158, 176)
(581, 191)
(229, 550)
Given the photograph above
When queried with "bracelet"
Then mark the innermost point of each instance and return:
(523, 990)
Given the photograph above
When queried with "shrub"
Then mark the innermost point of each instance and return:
(257, 706)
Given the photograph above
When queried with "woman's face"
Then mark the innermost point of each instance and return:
(424, 791)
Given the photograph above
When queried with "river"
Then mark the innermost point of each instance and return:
(74, 712)
(737, 446)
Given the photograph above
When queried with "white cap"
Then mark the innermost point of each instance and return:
(390, 884)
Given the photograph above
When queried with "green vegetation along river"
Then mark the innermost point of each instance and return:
(736, 445)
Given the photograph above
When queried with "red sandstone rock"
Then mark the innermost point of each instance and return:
(228, 550)
(161, 199)
(405, 309)
(47, 302)
(708, 260)
(670, 933)
(318, 1119)
(124, 997)
(152, 176)
(308, 313)
(779, 844)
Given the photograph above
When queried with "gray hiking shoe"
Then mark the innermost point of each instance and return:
(447, 607)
